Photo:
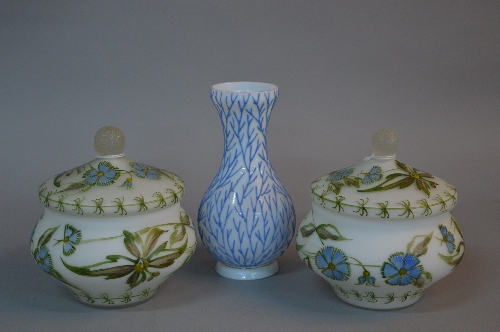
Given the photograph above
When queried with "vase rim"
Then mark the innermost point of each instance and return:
(244, 87)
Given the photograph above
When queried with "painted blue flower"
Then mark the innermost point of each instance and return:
(104, 175)
(366, 278)
(448, 238)
(340, 174)
(402, 270)
(374, 174)
(144, 171)
(333, 263)
(72, 237)
(43, 259)
(127, 184)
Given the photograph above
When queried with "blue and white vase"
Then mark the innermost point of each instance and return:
(246, 218)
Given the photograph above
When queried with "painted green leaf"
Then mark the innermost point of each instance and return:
(164, 261)
(307, 230)
(324, 234)
(138, 238)
(136, 278)
(112, 259)
(177, 235)
(421, 248)
(401, 184)
(335, 187)
(353, 182)
(46, 236)
(153, 275)
(185, 218)
(110, 273)
(161, 248)
(451, 260)
(151, 240)
(113, 272)
(168, 260)
(129, 240)
(394, 175)
(57, 180)
(144, 230)
(413, 176)
(404, 167)
(420, 282)
(424, 187)
(75, 186)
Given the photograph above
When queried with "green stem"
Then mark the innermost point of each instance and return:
(100, 239)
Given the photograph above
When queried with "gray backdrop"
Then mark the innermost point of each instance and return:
(427, 69)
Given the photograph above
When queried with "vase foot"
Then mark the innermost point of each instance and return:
(248, 273)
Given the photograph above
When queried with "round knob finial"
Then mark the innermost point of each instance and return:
(384, 143)
(109, 141)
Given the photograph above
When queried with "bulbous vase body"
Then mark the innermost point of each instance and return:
(246, 218)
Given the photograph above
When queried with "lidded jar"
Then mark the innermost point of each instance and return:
(380, 233)
(113, 229)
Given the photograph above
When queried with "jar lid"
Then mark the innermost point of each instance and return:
(111, 184)
(382, 186)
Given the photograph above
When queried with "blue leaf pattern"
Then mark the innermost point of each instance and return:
(246, 218)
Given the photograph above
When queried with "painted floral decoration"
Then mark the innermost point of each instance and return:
(142, 265)
(43, 259)
(145, 171)
(340, 174)
(447, 238)
(410, 176)
(104, 175)
(127, 184)
(373, 175)
(402, 269)
(72, 237)
(367, 279)
(333, 263)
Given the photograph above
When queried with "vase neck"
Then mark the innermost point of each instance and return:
(244, 118)
(253, 108)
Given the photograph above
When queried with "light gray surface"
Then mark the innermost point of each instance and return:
(428, 70)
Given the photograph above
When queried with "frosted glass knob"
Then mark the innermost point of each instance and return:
(109, 141)
(384, 143)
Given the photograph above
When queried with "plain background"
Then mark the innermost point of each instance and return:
(429, 70)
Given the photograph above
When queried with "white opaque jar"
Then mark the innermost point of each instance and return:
(380, 233)
(113, 229)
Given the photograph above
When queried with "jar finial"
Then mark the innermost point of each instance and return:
(109, 142)
(384, 143)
